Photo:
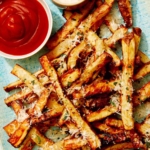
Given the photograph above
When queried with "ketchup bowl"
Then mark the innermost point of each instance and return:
(25, 27)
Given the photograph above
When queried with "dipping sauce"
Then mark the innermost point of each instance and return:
(23, 26)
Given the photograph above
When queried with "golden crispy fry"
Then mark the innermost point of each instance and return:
(74, 55)
(137, 36)
(78, 35)
(128, 48)
(74, 20)
(114, 123)
(67, 14)
(144, 128)
(120, 146)
(19, 83)
(105, 128)
(16, 106)
(11, 127)
(110, 22)
(98, 64)
(144, 58)
(69, 77)
(102, 113)
(74, 143)
(142, 71)
(81, 124)
(142, 94)
(96, 87)
(126, 12)
(30, 80)
(19, 135)
(100, 47)
(18, 96)
(118, 34)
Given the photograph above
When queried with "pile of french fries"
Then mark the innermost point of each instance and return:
(84, 86)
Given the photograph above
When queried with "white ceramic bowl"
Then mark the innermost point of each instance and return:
(69, 4)
(34, 51)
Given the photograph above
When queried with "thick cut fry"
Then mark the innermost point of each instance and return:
(74, 20)
(19, 83)
(19, 135)
(12, 127)
(137, 37)
(30, 80)
(40, 104)
(70, 42)
(128, 48)
(85, 130)
(120, 146)
(142, 71)
(118, 34)
(74, 55)
(74, 143)
(67, 14)
(100, 47)
(144, 58)
(142, 94)
(96, 87)
(105, 128)
(126, 12)
(18, 96)
(69, 77)
(102, 113)
(144, 128)
(110, 22)
(16, 106)
(114, 123)
(99, 63)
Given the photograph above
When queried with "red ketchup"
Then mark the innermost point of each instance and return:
(23, 26)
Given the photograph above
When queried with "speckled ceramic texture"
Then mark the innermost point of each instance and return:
(141, 14)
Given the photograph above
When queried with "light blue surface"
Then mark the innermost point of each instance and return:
(141, 13)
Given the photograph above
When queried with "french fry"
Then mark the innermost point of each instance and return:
(126, 12)
(142, 94)
(71, 42)
(118, 34)
(81, 124)
(105, 128)
(19, 135)
(74, 55)
(19, 83)
(144, 57)
(128, 48)
(142, 71)
(69, 26)
(69, 77)
(114, 123)
(99, 63)
(96, 87)
(11, 127)
(102, 113)
(137, 36)
(120, 146)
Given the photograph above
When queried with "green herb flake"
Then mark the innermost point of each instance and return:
(33, 82)
(112, 103)
(115, 83)
(69, 84)
(39, 139)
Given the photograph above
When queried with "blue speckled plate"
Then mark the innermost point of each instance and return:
(141, 14)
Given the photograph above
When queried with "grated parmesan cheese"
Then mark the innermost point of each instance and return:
(22, 115)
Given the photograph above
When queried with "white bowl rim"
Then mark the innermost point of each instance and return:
(50, 22)
(65, 4)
